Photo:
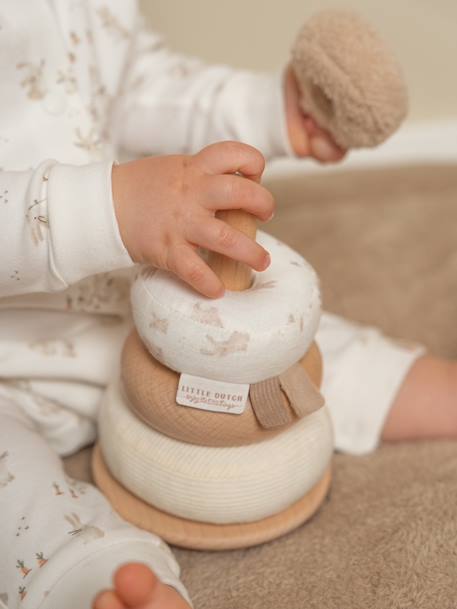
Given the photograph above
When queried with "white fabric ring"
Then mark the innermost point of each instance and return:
(214, 485)
(245, 337)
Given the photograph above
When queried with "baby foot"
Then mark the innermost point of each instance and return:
(136, 587)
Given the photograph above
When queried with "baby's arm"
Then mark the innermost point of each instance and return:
(57, 226)
(170, 103)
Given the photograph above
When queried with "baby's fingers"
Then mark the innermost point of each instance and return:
(323, 146)
(232, 157)
(217, 236)
(324, 149)
(184, 262)
(236, 192)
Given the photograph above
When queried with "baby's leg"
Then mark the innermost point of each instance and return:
(425, 406)
(364, 375)
(61, 541)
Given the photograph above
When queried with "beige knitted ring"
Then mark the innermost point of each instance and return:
(150, 389)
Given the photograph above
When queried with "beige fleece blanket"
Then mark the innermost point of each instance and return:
(385, 246)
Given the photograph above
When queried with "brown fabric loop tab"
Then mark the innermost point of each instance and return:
(268, 404)
(303, 396)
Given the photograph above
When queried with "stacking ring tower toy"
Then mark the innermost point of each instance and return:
(245, 456)
(216, 435)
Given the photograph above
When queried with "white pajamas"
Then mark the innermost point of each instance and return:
(81, 82)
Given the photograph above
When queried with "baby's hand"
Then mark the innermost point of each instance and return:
(165, 207)
(306, 137)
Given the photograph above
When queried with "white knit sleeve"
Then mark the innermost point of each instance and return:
(173, 104)
(57, 226)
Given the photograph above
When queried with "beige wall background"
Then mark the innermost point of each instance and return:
(257, 34)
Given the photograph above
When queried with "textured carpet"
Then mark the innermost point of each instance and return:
(384, 245)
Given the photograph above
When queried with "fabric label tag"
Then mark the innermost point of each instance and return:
(206, 394)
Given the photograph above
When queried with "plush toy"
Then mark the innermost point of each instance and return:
(350, 82)
(216, 435)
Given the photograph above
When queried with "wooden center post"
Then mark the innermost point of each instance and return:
(235, 276)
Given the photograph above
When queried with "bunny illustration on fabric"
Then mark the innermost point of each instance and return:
(5, 476)
(238, 341)
(87, 532)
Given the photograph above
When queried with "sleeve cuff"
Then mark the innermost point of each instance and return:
(255, 106)
(268, 115)
(85, 234)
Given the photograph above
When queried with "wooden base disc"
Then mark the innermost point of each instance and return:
(199, 535)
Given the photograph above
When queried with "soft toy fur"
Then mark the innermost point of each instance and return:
(350, 83)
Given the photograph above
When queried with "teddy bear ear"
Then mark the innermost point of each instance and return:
(350, 82)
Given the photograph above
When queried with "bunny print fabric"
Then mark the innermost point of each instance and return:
(54, 529)
(83, 83)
